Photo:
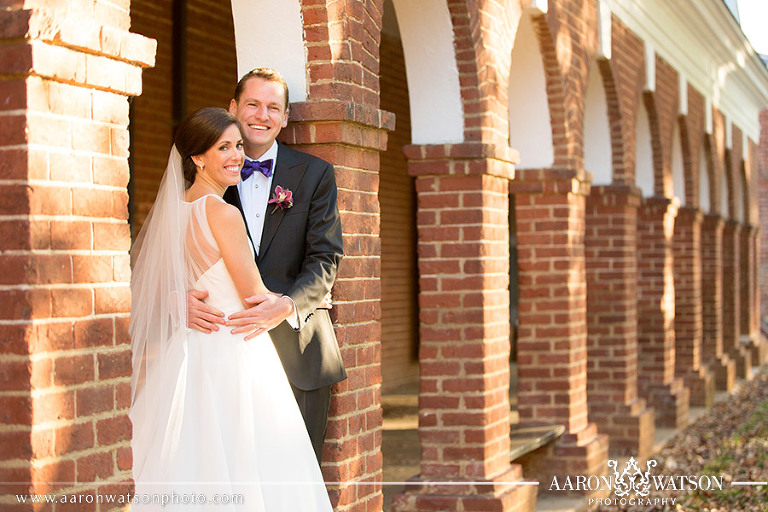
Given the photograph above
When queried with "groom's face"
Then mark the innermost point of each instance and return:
(262, 114)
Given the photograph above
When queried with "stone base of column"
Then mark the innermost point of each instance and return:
(507, 492)
(584, 453)
(630, 428)
(742, 355)
(701, 385)
(724, 370)
(670, 402)
(758, 346)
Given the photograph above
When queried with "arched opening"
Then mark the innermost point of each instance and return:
(436, 108)
(644, 153)
(725, 188)
(678, 167)
(739, 199)
(278, 43)
(597, 131)
(705, 202)
(399, 270)
(530, 131)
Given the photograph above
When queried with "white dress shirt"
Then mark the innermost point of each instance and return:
(254, 194)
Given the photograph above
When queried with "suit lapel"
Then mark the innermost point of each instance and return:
(288, 174)
(233, 197)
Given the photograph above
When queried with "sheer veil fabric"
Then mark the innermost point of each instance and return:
(159, 284)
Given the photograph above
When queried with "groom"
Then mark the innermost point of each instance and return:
(298, 247)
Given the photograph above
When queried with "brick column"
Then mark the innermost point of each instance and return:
(750, 331)
(611, 268)
(351, 137)
(65, 362)
(732, 300)
(688, 308)
(552, 340)
(463, 227)
(713, 355)
(656, 314)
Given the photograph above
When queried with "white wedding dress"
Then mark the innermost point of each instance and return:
(219, 426)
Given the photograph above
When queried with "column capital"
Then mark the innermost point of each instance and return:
(733, 226)
(67, 48)
(338, 122)
(691, 213)
(339, 110)
(616, 195)
(466, 158)
(713, 221)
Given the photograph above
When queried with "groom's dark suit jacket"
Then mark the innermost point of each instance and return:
(301, 248)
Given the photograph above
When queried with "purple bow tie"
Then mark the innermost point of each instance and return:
(251, 166)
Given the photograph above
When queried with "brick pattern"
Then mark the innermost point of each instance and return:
(688, 256)
(732, 299)
(655, 310)
(694, 139)
(463, 223)
(662, 105)
(552, 338)
(65, 244)
(350, 132)
(688, 307)
(628, 52)
(713, 354)
(352, 449)
(66, 76)
(342, 40)
(748, 280)
(611, 273)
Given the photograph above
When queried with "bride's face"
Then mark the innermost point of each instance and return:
(222, 162)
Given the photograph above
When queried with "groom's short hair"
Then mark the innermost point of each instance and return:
(268, 74)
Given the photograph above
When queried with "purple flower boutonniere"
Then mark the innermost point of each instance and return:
(282, 198)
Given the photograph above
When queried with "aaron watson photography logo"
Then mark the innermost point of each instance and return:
(633, 486)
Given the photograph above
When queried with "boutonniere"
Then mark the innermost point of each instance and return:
(282, 198)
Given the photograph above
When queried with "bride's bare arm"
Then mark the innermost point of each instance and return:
(228, 230)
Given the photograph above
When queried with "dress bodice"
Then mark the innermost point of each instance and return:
(206, 268)
(222, 293)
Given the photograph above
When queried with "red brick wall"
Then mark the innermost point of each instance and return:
(341, 123)
(64, 235)
(628, 76)
(692, 132)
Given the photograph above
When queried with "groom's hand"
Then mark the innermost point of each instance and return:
(266, 313)
(200, 316)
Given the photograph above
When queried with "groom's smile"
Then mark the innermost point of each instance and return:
(261, 111)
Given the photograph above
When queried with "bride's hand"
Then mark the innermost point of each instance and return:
(200, 316)
(268, 310)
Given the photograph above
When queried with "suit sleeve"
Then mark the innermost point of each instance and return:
(324, 248)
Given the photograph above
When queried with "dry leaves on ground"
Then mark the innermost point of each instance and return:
(730, 442)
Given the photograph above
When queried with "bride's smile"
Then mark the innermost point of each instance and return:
(220, 165)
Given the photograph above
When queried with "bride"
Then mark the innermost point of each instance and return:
(215, 420)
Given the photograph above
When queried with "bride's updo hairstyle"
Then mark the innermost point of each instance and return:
(198, 132)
